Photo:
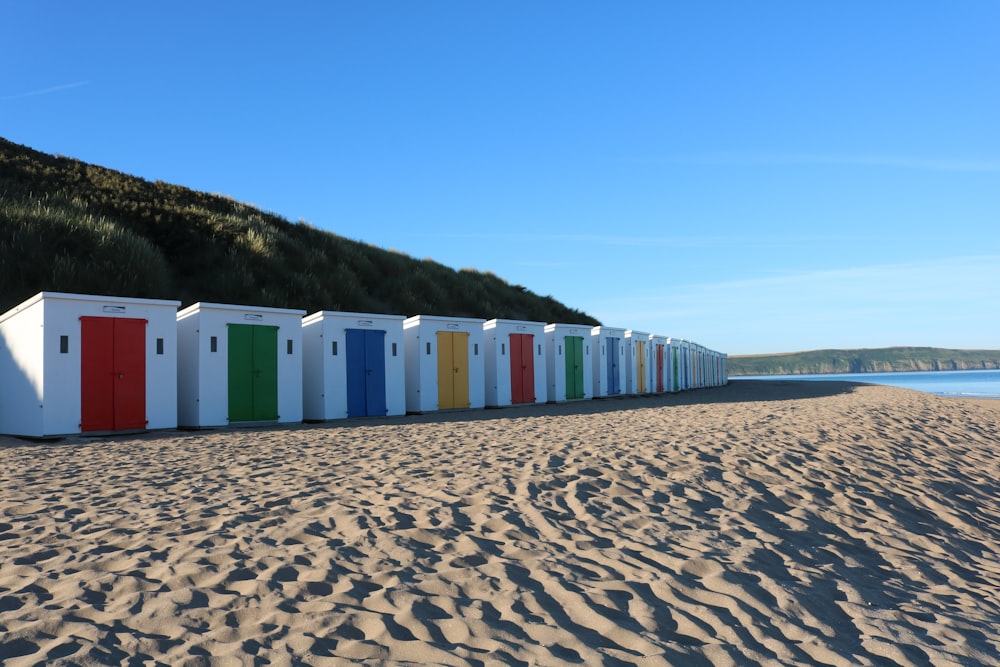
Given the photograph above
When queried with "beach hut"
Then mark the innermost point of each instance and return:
(672, 361)
(698, 352)
(673, 365)
(78, 363)
(608, 360)
(714, 375)
(658, 361)
(352, 366)
(688, 355)
(678, 366)
(514, 356)
(238, 364)
(637, 366)
(695, 366)
(444, 363)
(569, 367)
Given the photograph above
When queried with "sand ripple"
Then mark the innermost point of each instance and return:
(761, 523)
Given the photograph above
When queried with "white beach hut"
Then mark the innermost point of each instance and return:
(672, 361)
(658, 361)
(444, 363)
(608, 360)
(514, 356)
(238, 364)
(678, 364)
(720, 365)
(637, 367)
(569, 367)
(695, 366)
(688, 355)
(77, 363)
(352, 365)
(699, 366)
(713, 368)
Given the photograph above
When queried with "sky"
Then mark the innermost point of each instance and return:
(757, 177)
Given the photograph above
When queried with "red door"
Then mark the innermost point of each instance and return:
(522, 369)
(112, 374)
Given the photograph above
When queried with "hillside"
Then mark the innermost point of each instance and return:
(863, 361)
(74, 227)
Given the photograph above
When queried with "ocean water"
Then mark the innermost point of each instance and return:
(967, 384)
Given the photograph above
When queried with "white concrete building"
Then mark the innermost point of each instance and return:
(445, 368)
(608, 360)
(638, 375)
(658, 359)
(569, 364)
(238, 364)
(515, 362)
(78, 363)
(353, 365)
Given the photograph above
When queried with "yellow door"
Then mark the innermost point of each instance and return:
(460, 358)
(641, 366)
(453, 369)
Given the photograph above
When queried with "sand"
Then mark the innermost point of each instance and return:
(792, 523)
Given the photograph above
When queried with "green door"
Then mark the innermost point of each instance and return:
(574, 366)
(676, 374)
(253, 373)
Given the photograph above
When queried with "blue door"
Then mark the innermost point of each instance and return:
(365, 373)
(614, 367)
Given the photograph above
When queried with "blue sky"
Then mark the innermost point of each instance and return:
(755, 176)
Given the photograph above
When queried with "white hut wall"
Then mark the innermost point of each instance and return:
(23, 340)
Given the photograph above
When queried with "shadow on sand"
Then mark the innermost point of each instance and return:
(737, 391)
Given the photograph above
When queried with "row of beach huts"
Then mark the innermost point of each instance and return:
(76, 363)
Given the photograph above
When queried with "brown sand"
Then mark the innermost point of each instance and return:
(794, 523)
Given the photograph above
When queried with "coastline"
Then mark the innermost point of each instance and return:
(973, 384)
(781, 521)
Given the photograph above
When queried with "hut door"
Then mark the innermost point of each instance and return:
(574, 366)
(614, 366)
(640, 366)
(365, 373)
(522, 368)
(677, 385)
(659, 367)
(453, 369)
(112, 373)
(253, 373)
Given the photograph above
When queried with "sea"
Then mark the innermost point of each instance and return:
(963, 384)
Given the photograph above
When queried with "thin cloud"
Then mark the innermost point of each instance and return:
(953, 299)
(812, 159)
(45, 91)
(660, 241)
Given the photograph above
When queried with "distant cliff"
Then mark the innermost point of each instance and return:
(881, 360)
